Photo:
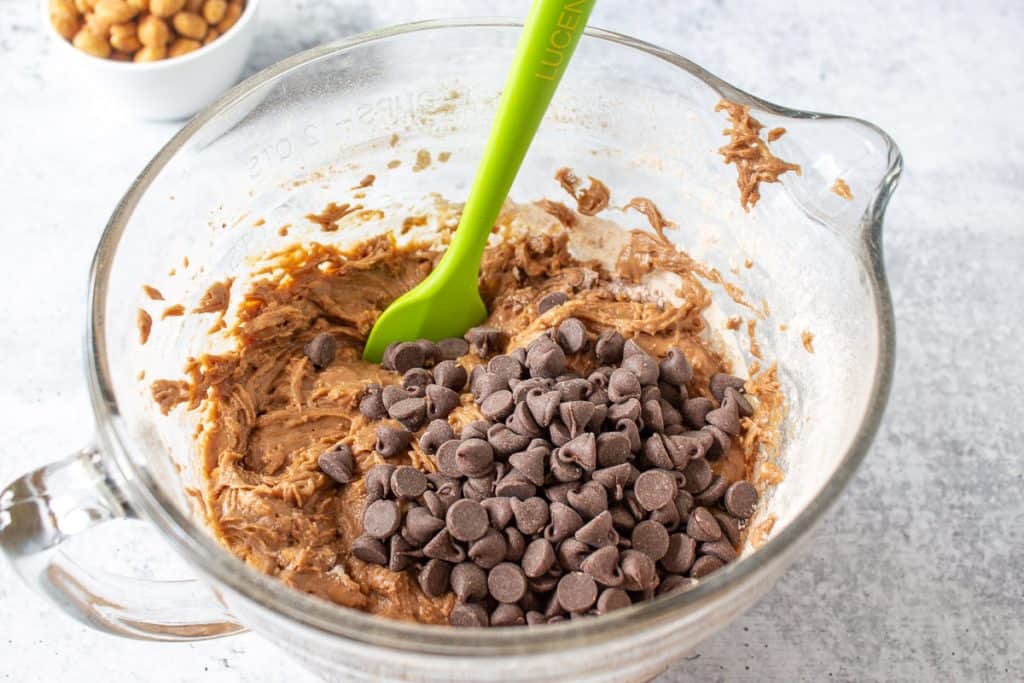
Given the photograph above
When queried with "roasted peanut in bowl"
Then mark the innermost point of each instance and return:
(157, 59)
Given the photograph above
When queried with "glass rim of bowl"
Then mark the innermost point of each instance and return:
(204, 553)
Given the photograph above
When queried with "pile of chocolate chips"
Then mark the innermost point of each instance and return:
(576, 495)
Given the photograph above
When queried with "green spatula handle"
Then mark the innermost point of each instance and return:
(548, 40)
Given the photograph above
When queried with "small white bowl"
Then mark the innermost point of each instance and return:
(170, 88)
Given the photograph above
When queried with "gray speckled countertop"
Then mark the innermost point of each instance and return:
(915, 575)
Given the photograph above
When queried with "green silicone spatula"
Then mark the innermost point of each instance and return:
(447, 302)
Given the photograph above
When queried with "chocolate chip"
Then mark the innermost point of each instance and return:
(742, 404)
(629, 428)
(338, 463)
(370, 549)
(498, 405)
(477, 429)
(622, 518)
(411, 412)
(675, 368)
(682, 551)
(603, 566)
(590, 499)
(538, 558)
(598, 532)
(468, 615)
(474, 458)
(436, 433)
(684, 503)
(534, 618)
(608, 348)
(506, 582)
(628, 409)
(546, 362)
(571, 553)
(392, 394)
(652, 415)
(631, 348)
(576, 415)
(573, 389)
(638, 571)
(485, 341)
(612, 449)
(713, 493)
(445, 458)
(543, 584)
(650, 538)
(643, 366)
(433, 502)
(499, 511)
(550, 300)
(673, 582)
(698, 475)
(623, 385)
(321, 350)
(440, 401)
(615, 478)
(726, 418)
(450, 374)
(506, 367)
(466, 520)
(416, 378)
(433, 578)
(378, 482)
(489, 550)
(654, 489)
(420, 525)
(720, 442)
(730, 526)
(507, 615)
(531, 515)
(543, 405)
(682, 448)
(452, 348)
(565, 521)
(702, 526)
(656, 452)
(405, 356)
(571, 335)
(612, 599)
(695, 410)
(381, 518)
(400, 554)
(392, 441)
(505, 441)
(721, 549)
(516, 544)
(667, 516)
(720, 381)
(441, 547)
(515, 485)
(705, 565)
(521, 421)
(520, 388)
(559, 493)
(468, 582)
(741, 499)
(576, 592)
(530, 463)
(371, 405)
(582, 451)
(448, 489)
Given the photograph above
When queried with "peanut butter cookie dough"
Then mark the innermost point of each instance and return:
(314, 460)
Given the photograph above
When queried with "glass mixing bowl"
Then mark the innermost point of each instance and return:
(304, 132)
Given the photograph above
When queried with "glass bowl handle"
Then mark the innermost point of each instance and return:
(44, 508)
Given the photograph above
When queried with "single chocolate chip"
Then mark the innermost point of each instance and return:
(638, 571)
(436, 433)
(477, 429)
(543, 405)
(392, 441)
(695, 410)
(338, 463)
(612, 599)
(623, 385)
(702, 526)
(622, 518)
(408, 482)
(506, 367)
(634, 506)
(530, 463)
(676, 368)
(576, 592)
(667, 516)
(713, 493)
(411, 412)
(673, 394)
(482, 384)
(407, 355)
(546, 362)
(654, 489)
(532, 514)
(615, 478)
(571, 335)
(720, 442)
(682, 448)
(515, 485)
(730, 526)
(499, 511)
(573, 389)
(506, 582)
(534, 618)
(598, 532)
(550, 300)
(416, 378)
(450, 374)
(681, 552)
(420, 525)
(498, 405)
(400, 554)
(698, 475)
(440, 401)
(652, 415)
(603, 566)
(469, 615)
(559, 493)
(466, 520)
(370, 549)
(650, 538)
(378, 482)
(474, 458)
(720, 381)
(631, 348)
(321, 350)
(670, 416)
(590, 499)
(576, 415)
(656, 453)
(581, 450)
(371, 405)
(705, 565)
(571, 553)
(485, 341)
(433, 502)
(543, 584)
(684, 503)
(632, 432)
(381, 518)
(538, 558)
(673, 582)
(489, 550)
(452, 348)
(565, 521)
(468, 582)
(612, 449)
(644, 367)
(392, 394)
(741, 499)
(433, 578)
(507, 615)
(608, 348)
(521, 421)
(726, 418)
(441, 547)
(628, 409)
(742, 404)
(505, 441)
(448, 489)
(721, 549)
(446, 458)
(431, 351)
(516, 544)
(388, 356)
(521, 387)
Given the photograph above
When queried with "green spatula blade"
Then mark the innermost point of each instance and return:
(448, 302)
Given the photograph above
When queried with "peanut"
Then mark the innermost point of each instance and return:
(115, 11)
(99, 26)
(88, 42)
(214, 10)
(194, 6)
(211, 36)
(84, 6)
(151, 53)
(189, 25)
(124, 38)
(139, 5)
(231, 15)
(64, 18)
(183, 46)
(165, 8)
(153, 31)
